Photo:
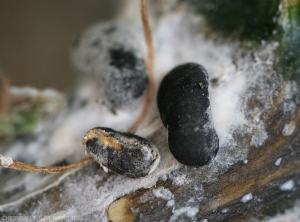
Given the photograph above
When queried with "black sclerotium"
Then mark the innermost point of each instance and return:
(122, 153)
(110, 53)
(184, 107)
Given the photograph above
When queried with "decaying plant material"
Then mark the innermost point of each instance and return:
(254, 94)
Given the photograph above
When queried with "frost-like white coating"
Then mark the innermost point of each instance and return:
(105, 169)
(179, 179)
(189, 211)
(163, 193)
(29, 91)
(6, 161)
(191, 200)
(288, 185)
(225, 210)
(51, 99)
(247, 198)
(278, 161)
(226, 97)
(259, 136)
(288, 129)
(170, 203)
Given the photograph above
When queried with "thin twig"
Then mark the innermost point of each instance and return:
(148, 37)
(52, 169)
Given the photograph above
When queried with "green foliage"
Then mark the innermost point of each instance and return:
(18, 122)
(289, 64)
(254, 20)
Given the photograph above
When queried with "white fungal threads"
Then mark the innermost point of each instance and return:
(288, 129)
(225, 210)
(259, 136)
(288, 185)
(247, 198)
(6, 161)
(278, 161)
(163, 193)
(189, 211)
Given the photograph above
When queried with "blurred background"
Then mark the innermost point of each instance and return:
(36, 38)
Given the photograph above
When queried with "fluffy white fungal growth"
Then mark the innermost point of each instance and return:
(259, 137)
(179, 179)
(288, 129)
(278, 161)
(170, 203)
(189, 211)
(163, 193)
(247, 198)
(225, 210)
(6, 161)
(288, 185)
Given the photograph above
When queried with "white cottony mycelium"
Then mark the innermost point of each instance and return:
(288, 185)
(5, 161)
(247, 198)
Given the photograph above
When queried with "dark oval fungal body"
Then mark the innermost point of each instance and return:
(184, 107)
(110, 53)
(122, 153)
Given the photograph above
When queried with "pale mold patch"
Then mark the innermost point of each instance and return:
(170, 203)
(105, 169)
(278, 161)
(179, 179)
(228, 115)
(163, 193)
(247, 198)
(189, 211)
(191, 200)
(6, 161)
(287, 186)
(225, 210)
(259, 136)
(52, 100)
(288, 129)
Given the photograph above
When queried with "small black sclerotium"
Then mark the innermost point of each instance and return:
(121, 152)
(183, 103)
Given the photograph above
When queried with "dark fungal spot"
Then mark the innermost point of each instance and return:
(109, 53)
(129, 80)
(121, 59)
(184, 107)
(122, 153)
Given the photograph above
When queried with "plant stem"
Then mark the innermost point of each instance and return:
(150, 59)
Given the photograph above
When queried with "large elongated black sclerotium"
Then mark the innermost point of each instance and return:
(183, 103)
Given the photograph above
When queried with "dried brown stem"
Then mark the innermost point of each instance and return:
(52, 169)
(148, 37)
